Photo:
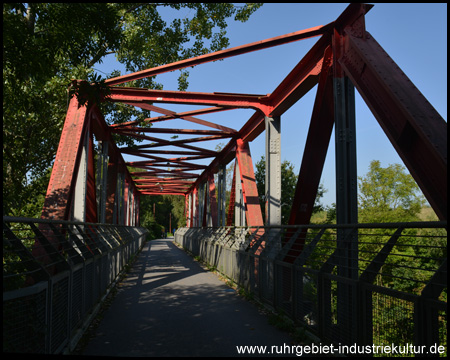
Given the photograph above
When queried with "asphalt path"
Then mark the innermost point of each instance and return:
(169, 305)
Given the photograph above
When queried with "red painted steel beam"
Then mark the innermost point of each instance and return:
(167, 142)
(63, 177)
(139, 152)
(298, 82)
(168, 152)
(91, 198)
(414, 127)
(239, 50)
(151, 174)
(195, 120)
(176, 142)
(249, 189)
(170, 131)
(162, 193)
(182, 115)
(314, 155)
(157, 159)
(119, 94)
(166, 164)
(301, 79)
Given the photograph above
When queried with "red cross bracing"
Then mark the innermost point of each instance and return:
(181, 161)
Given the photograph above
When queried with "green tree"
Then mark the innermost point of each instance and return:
(388, 194)
(288, 185)
(46, 45)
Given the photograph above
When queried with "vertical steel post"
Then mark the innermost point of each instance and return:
(186, 208)
(346, 190)
(79, 198)
(212, 202)
(239, 211)
(194, 208)
(102, 170)
(273, 171)
(201, 201)
(346, 173)
(221, 192)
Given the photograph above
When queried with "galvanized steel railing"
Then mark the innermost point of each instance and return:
(365, 284)
(54, 275)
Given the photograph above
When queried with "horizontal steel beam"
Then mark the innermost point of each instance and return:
(238, 50)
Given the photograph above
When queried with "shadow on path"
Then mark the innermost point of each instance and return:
(168, 305)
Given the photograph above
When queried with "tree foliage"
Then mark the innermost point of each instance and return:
(47, 45)
(388, 194)
(288, 185)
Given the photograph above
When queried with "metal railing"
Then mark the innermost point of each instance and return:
(365, 284)
(54, 275)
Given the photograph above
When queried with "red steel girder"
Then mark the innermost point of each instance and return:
(171, 131)
(414, 127)
(298, 82)
(259, 45)
(91, 198)
(186, 115)
(62, 180)
(134, 95)
(316, 147)
(158, 159)
(178, 193)
(168, 152)
(249, 190)
(145, 106)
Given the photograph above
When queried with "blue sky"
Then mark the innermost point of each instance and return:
(414, 35)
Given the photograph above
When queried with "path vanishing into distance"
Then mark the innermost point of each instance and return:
(169, 305)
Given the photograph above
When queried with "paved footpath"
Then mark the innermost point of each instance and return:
(168, 305)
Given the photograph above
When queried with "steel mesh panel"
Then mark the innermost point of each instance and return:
(77, 298)
(104, 274)
(443, 330)
(340, 312)
(97, 278)
(306, 298)
(393, 320)
(24, 323)
(266, 280)
(88, 285)
(60, 314)
(284, 296)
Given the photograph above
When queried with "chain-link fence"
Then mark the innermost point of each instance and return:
(54, 273)
(365, 284)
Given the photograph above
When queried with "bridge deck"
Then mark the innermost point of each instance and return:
(168, 305)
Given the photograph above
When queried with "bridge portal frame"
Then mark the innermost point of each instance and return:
(345, 55)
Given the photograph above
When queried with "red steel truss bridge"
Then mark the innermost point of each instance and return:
(99, 189)
(345, 56)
